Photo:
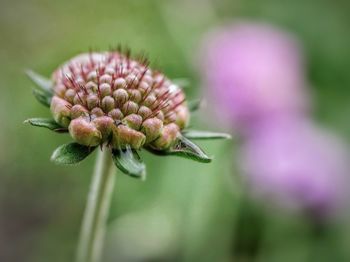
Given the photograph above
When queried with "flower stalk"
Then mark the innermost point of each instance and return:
(96, 212)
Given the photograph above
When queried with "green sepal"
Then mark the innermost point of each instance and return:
(47, 123)
(71, 154)
(204, 135)
(184, 147)
(129, 162)
(41, 81)
(43, 97)
(194, 105)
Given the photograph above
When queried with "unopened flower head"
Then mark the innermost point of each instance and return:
(117, 102)
(110, 97)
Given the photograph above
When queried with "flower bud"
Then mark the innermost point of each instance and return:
(135, 95)
(167, 138)
(144, 112)
(104, 124)
(92, 101)
(120, 96)
(79, 98)
(148, 79)
(143, 87)
(133, 121)
(70, 94)
(110, 70)
(91, 86)
(84, 132)
(97, 112)
(60, 111)
(105, 89)
(130, 108)
(116, 114)
(61, 90)
(92, 76)
(152, 128)
(119, 83)
(78, 111)
(182, 116)
(107, 103)
(160, 115)
(124, 135)
(106, 78)
(150, 100)
(131, 80)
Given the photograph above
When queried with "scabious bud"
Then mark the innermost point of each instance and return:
(112, 98)
(61, 111)
(85, 132)
(167, 136)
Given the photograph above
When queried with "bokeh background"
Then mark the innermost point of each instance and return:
(184, 211)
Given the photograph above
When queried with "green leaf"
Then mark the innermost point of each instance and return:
(43, 97)
(47, 123)
(196, 134)
(41, 81)
(183, 147)
(71, 154)
(129, 162)
(194, 105)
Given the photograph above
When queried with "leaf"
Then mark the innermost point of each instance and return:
(71, 154)
(196, 134)
(129, 162)
(41, 81)
(47, 123)
(43, 97)
(194, 105)
(183, 147)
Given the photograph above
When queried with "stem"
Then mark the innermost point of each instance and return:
(97, 207)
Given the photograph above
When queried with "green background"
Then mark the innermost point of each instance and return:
(184, 211)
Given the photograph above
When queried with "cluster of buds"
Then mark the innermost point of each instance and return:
(110, 97)
(114, 101)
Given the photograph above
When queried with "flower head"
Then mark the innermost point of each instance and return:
(297, 166)
(253, 71)
(112, 99)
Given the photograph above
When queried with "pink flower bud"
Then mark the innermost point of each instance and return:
(167, 137)
(152, 128)
(105, 89)
(85, 132)
(78, 111)
(133, 121)
(105, 125)
(124, 135)
(108, 104)
(182, 116)
(116, 114)
(60, 111)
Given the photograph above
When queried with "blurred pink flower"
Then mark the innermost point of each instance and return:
(252, 71)
(297, 166)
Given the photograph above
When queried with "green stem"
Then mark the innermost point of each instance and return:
(96, 212)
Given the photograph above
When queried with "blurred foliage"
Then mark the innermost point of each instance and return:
(184, 211)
